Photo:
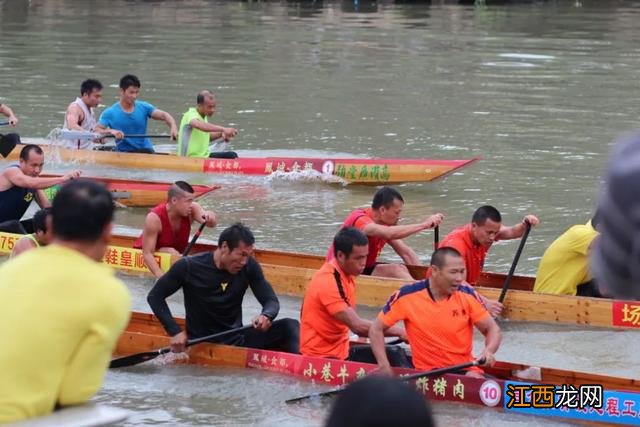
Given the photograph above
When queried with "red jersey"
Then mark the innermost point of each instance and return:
(330, 291)
(359, 219)
(167, 238)
(473, 255)
(440, 332)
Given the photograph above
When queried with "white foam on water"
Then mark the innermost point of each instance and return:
(510, 64)
(170, 358)
(305, 176)
(526, 56)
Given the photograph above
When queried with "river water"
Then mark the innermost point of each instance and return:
(538, 90)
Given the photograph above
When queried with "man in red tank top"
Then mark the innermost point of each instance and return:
(168, 225)
(379, 224)
(474, 240)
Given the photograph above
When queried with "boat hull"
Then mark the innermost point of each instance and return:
(354, 171)
(145, 333)
(289, 274)
(136, 193)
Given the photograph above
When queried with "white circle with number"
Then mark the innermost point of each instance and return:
(490, 393)
(327, 167)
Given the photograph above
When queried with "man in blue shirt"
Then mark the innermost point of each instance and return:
(130, 116)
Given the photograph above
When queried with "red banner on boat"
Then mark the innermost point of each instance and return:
(333, 372)
(626, 313)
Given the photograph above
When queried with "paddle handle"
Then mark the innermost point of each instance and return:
(507, 281)
(445, 370)
(194, 238)
(194, 341)
(161, 135)
(4, 123)
(436, 237)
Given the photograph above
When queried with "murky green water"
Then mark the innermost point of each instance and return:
(538, 90)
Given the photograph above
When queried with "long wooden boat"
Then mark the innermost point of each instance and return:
(290, 272)
(354, 171)
(620, 396)
(135, 192)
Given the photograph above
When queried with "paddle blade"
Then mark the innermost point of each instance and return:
(134, 359)
(314, 396)
(8, 142)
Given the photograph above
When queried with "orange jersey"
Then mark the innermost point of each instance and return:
(473, 255)
(330, 291)
(440, 332)
(359, 219)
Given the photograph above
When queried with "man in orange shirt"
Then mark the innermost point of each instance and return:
(474, 240)
(328, 308)
(439, 314)
(380, 224)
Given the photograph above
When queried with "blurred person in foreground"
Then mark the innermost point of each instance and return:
(378, 401)
(60, 325)
(615, 260)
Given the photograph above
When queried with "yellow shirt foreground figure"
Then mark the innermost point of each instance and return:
(564, 267)
(59, 326)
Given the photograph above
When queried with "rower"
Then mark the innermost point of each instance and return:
(168, 225)
(564, 267)
(195, 130)
(8, 112)
(62, 309)
(474, 240)
(41, 236)
(214, 285)
(439, 314)
(80, 115)
(130, 116)
(328, 309)
(21, 184)
(379, 224)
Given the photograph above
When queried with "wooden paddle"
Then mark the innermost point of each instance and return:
(90, 136)
(439, 371)
(8, 142)
(194, 238)
(134, 359)
(507, 280)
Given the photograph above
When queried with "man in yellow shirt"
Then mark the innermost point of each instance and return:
(59, 327)
(564, 268)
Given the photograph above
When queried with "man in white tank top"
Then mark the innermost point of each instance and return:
(80, 115)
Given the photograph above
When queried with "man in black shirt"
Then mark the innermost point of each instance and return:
(214, 284)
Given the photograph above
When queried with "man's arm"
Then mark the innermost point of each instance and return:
(24, 244)
(166, 117)
(150, 232)
(198, 213)
(396, 232)
(265, 295)
(407, 254)
(104, 130)
(361, 326)
(4, 109)
(74, 116)
(166, 286)
(104, 125)
(376, 338)
(215, 131)
(492, 338)
(19, 179)
(517, 230)
(42, 200)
